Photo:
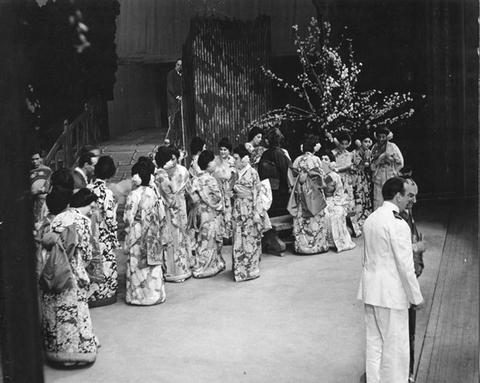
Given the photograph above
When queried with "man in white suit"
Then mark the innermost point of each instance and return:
(388, 285)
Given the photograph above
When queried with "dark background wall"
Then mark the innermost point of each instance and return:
(426, 48)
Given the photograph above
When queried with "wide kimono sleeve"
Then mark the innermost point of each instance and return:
(394, 152)
(110, 218)
(131, 208)
(165, 188)
(339, 193)
(84, 251)
(209, 191)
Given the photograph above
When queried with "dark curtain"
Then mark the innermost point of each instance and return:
(20, 331)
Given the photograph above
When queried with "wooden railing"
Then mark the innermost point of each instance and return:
(84, 130)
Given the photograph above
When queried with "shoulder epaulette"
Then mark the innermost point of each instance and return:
(397, 215)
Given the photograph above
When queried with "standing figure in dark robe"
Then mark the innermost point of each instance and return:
(174, 100)
(275, 164)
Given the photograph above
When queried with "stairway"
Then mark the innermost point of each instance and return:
(125, 151)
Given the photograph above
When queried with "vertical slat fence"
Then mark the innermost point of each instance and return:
(224, 88)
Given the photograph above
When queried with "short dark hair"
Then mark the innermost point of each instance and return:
(105, 168)
(143, 171)
(175, 151)
(392, 186)
(196, 145)
(241, 150)
(225, 143)
(205, 158)
(58, 199)
(274, 138)
(163, 155)
(147, 161)
(85, 158)
(382, 130)
(309, 143)
(36, 150)
(89, 149)
(343, 136)
(253, 132)
(62, 177)
(83, 197)
(327, 153)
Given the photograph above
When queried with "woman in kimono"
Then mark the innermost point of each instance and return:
(225, 175)
(307, 201)
(145, 220)
(250, 219)
(67, 327)
(362, 189)
(172, 180)
(344, 162)
(275, 164)
(254, 147)
(206, 219)
(197, 145)
(338, 236)
(387, 160)
(104, 292)
(57, 201)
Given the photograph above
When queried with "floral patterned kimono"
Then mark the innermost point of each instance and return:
(177, 254)
(67, 327)
(255, 153)
(194, 169)
(345, 158)
(362, 189)
(105, 292)
(309, 230)
(224, 174)
(145, 220)
(387, 160)
(247, 234)
(205, 220)
(335, 212)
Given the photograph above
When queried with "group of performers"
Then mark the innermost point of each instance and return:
(177, 220)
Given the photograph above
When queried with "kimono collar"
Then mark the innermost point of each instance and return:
(79, 170)
(243, 171)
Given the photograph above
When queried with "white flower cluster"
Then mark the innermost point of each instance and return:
(136, 180)
(328, 86)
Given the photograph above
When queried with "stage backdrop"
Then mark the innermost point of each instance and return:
(224, 88)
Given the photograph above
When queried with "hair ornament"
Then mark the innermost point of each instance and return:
(136, 180)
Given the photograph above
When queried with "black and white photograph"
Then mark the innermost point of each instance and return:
(239, 191)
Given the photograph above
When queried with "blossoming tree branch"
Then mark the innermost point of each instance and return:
(327, 88)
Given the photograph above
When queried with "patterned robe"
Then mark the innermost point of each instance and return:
(67, 327)
(105, 292)
(255, 154)
(335, 212)
(225, 175)
(205, 220)
(40, 184)
(144, 222)
(193, 169)
(387, 160)
(171, 186)
(345, 158)
(362, 188)
(247, 234)
(310, 232)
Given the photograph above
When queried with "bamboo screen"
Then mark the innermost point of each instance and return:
(224, 86)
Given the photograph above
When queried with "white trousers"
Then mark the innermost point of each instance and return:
(387, 359)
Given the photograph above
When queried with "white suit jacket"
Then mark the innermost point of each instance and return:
(388, 278)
